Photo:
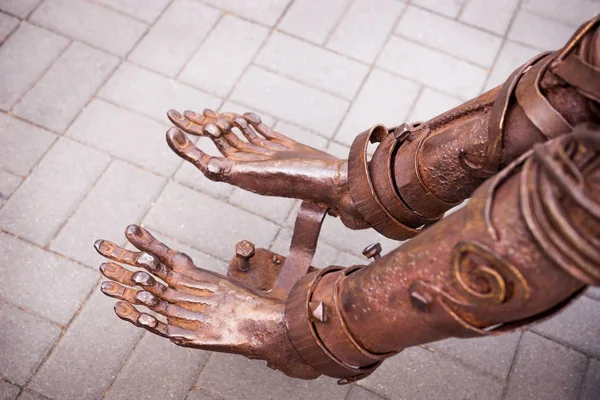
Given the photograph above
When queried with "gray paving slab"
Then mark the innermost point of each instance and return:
(416, 374)
(76, 75)
(478, 352)
(189, 216)
(88, 356)
(447, 8)
(26, 339)
(358, 393)
(7, 25)
(511, 56)
(215, 72)
(431, 103)
(234, 377)
(325, 255)
(312, 65)
(99, 216)
(573, 12)
(91, 23)
(323, 17)
(275, 209)
(21, 144)
(301, 135)
(157, 369)
(441, 33)
(177, 34)
(545, 370)
(378, 102)
(28, 43)
(266, 12)
(31, 395)
(200, 394)
(44, 200)
(290, 100)
(8, 184)
(8, 391)
(146, 10)
(591, 382)
(494, 16)
(152, 94)
(577, 326)
(593, 293)
(20, 8)
(378, 17)
(36, 279)
(539, 32)
(125, 134)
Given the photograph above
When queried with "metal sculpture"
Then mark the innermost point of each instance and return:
(526, 245)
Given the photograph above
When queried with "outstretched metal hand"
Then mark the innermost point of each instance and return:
(266, 162)
(202, 309)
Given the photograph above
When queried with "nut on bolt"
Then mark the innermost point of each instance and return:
(244, 251)
(372, 251)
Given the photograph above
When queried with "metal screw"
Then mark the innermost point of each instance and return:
(419, 301)
(244, 251)
(372, 251)
(318, 311)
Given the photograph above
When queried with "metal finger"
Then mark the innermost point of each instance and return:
(185, 124)
(128, 312)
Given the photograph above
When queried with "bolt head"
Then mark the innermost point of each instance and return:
(318, 310)
(244, 249)
(402, 132)
(372, 250)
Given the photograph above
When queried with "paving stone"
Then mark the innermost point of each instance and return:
(8, 184)
(122, 196)
(146, 10)
(201, 259)
(378, 17)
(230, 106)
(89, 355)
(349, 259)
(575, 326)
(593, 293)
(336, 234)
(24, 57)
(384, 99)
(151, 94)
(573, 12)
(50, 285)
(313, 65)
(511, 56)
(412, 60)
(20, 8)
(432, 103)
(591, 382)
(90, 23)
(325, 255)
(200, 394)
(235, 377)
(8, 391)
(539, 32)
(265, 11)
(450, 8)
(339, 150)
(545, 370)
(175, 36)
(462, 41)
(290, 100)
(25, 341)
(126, 135)
(416, 374)
(301, 135)
(76, 75)
(63, 177)
(7, 25)
(208, 224)
(275, 209)
(30, 395)
(313, 20)
(157, 369)
(358, 393)
(21, 144)
(491, 15)
(224, 56)
(478, 352)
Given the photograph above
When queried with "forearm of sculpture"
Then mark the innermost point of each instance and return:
(527, 243)
(439, 163)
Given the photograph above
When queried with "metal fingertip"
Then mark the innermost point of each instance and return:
(174, 135)
(108, 287)
(209, 113)
(252, 117)
(123, 309)
(133, 230)
(173, 114)
(108, 269)
(223, 124)
(97, 245)
(103, 247)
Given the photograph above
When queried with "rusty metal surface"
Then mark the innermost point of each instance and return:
(526, 245)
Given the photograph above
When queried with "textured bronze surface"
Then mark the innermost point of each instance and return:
(524, 247)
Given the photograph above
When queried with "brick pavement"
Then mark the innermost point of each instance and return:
(84, 89)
